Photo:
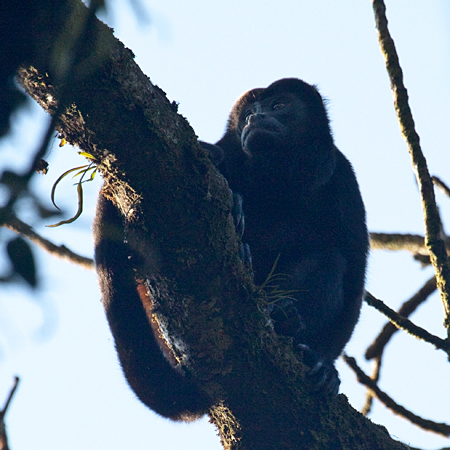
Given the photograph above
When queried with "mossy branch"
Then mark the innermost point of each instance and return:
(433, 240)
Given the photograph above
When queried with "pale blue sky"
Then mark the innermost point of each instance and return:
(204, 54)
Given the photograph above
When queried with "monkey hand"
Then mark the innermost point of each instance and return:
(286, 318)
(214, 151)
(216, 155)
(322, 375)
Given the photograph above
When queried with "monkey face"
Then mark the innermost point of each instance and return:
(264, 123)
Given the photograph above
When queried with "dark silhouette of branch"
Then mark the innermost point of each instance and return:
(441, 185)
(61, 251)
(407, 325)
(3, 437)
(375, 377)
(439, 428)
(416, 448)
(433, 227)
(376, 349)
(72, 51)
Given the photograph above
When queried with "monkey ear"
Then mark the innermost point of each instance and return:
(214, 151)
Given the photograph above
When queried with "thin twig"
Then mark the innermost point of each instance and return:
(413, 243)
(10, 396)
(405, 324)
(375, 377)
(377, 347)
(395, 241)
(3, 437)
(441, 185)
(436, 427)
(61, 251)
(433, 241)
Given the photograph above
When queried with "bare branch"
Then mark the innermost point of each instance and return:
(394, 241)
(369, 396)
(433, 241)
(439, 428)
(407, 325)
(441, 185)
(10, 396)
(3, 437)
(377, 347)
(61, 251)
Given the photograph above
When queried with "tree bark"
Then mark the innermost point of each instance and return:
(164, 183)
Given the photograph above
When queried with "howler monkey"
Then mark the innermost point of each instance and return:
(304, 218)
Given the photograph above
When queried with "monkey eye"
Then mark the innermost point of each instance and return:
(278, 105)
(247, 115)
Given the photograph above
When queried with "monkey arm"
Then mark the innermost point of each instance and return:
(215, 152)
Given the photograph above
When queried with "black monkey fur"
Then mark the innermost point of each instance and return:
(147, 369)
(302, 205)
